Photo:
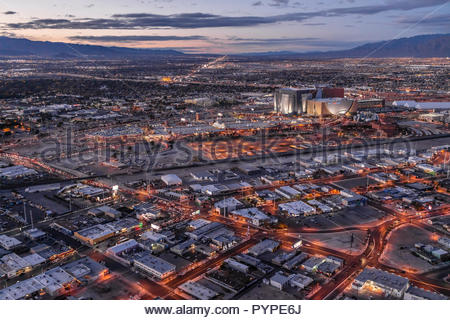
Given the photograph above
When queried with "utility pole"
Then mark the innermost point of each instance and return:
(31, 218)
(448, 171)
(445, 159)
(448, 164)
(352, 239)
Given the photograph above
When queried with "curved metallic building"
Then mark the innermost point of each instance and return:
(329, 107)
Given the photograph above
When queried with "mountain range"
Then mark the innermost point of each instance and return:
(15, 47)
(423, 46)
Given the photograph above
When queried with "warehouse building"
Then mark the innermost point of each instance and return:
(9, 243)
(198, 291)
(16, 172)
(414, 293)
(154, 266)
(251, 215)
(171, 180)
(227, 205)
(379, 282)
(297, 208)
(95, 234)
(267, 245)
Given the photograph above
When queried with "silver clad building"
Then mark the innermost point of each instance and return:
(292, 100)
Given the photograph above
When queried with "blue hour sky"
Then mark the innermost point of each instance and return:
(224, 26)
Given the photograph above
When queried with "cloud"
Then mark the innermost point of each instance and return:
(441, 21)
(135, 38)
(300, 42)
(9, 12)
(273, 39)
(147, 21)
(8, 34)
(257, 3)
(393, 5)
(315, 24)
(206, 20)
(279, 3)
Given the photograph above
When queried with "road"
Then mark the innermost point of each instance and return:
(354, 264)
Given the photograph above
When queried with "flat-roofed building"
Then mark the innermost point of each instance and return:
(295, 261)
(154, 266)
(95, 234)
(279, 280)
(267, 245)
(282, 257)
(56, 281)
(183, 247)
(124, 225)
(300, 281)
(313, 263)
(204, 230)
(35, 234)
(153, 236)
(227, 205)
(122, 247)
(198, 291)
(235, 265)
(328, 268)
(251, 215)
(86, 270)
(287, 192)
(22, 290)
(110, 212)
(379, 282)
(9, 243)
(34, 259)
(247, 259)
(171, 180)
(205, 249)
(414, 293)
(445, 242)
(297, 208)
(14, 265)
(198, 223)
(215, 189)
(16, 172)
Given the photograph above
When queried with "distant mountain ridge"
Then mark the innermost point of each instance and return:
(423, 46)
(15, 47)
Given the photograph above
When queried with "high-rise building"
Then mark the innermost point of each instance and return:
(292, 100)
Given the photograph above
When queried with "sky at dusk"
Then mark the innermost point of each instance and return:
(224, 26)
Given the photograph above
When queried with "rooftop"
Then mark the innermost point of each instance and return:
(251, 213)
(155, 263)
(8, 242)
(97, 231)
(198, 291)
(382, 278)
(228, 202)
